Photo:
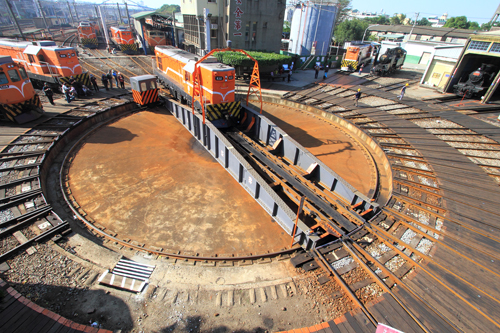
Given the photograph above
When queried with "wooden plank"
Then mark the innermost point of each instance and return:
(364, 322)
(454, 309)
(333, 326)
(426, 315)
(22, 239)
(379, 313)
(354, 324)
(409, 325)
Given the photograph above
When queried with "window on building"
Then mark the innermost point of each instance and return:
(495, 48)
(254, 31)
(213, 33)
(264, 25)
(14, 75)
(212, 0)
(479, 46)
(247, 31)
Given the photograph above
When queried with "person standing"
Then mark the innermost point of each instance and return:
(49, 93)
(93, 80)
(115, 75)
(121, 79)
(65, 90)
(402, 93)
(104, 79)
(316, 71)
(289, 75)
(110, 79)
(361, 68)
(356, 97)
(326, 72)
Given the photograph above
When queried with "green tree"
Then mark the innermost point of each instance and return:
(344, 6)
(286, 26)
(424, 22)
(459, 22)
(168, 9)
(395, 20)
(474, 26)
(381, 20)
(350, 30)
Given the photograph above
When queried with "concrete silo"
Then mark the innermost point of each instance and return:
(311, 28)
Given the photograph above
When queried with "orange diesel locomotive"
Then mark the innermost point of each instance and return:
(45, 61)
(87, 34)
(124, 39)
(174, 69)
(355, 56)
(18, 101)
(154, 38)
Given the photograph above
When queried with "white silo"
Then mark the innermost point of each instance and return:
(312, 26)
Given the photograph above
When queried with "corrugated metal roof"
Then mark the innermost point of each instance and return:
(141, 15)
(427, 31)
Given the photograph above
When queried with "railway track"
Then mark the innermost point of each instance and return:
(383, 250)
(416, 218)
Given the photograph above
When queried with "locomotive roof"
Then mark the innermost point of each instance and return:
(50, 45)
(211, 63)
(120, 29)
(5, 60)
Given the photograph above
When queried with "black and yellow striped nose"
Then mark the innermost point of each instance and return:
(145, 97)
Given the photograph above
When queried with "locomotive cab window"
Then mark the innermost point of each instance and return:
(14, 75)
(41, 58)
(23, 73)
(3, 79)
(30, 58)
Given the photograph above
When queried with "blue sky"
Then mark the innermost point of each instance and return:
(476, 10)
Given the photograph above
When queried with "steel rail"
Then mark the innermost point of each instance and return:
(399, 281)
(383, 285)
(407, 224)
(389, 239)
(320, 259)
(100, 232)
(36, 239)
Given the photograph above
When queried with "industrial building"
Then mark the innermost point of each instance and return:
(250, 25)
(407, 32)
(154, 28)
(482, 48)
(312, 27)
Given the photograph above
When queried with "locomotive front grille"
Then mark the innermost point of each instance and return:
(219, 111)
(83, 78)
(347, 63)
(11, 111)
(89, 42)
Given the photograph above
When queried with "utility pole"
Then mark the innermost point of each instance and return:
(103, 20)
(414, 23)
(76, 11)
(43, 15)
(173, 25)
(70, 13)
(15, 19)
(128, 17)
(119, 14)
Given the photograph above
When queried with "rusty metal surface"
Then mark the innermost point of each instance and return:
(332, 145)
(146, 179)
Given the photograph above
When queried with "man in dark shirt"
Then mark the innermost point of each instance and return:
(357, 96)
(49, 93)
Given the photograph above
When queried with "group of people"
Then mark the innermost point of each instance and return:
(316, 71)
(107, 79)
(75, 88)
